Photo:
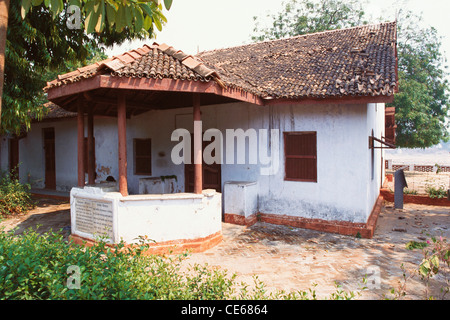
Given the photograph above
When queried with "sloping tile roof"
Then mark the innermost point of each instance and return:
(155, 61)
(359, 61)
(163, 61)
(56, 112)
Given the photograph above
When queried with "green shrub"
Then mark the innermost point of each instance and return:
(35, 266)
(409, 191)
(15, 198)
(433, 192)
(411, 245)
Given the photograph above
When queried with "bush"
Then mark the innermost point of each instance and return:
(15, 198)
(435, 264)
(35, 266)
(439, 193)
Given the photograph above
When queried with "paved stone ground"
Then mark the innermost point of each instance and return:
(49, 214)
(291, 259)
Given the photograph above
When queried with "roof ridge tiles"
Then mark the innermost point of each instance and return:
(318, 66)
(298, 36)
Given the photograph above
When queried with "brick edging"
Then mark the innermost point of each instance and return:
(239, 219)
(416, 199)
(167, 247)
(365, 230)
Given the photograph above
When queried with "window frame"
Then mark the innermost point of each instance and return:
(286, 156)
(135, 157)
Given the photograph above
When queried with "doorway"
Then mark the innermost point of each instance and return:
(14, 158)
(49, 155)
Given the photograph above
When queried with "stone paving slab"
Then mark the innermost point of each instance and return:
(290, 259)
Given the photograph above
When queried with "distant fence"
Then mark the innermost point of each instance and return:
(415, 167)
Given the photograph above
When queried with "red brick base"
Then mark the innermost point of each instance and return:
(240, 220)
(417, 199)
(172, 247)
(365, 230)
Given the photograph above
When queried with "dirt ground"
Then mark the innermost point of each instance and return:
(286, 258)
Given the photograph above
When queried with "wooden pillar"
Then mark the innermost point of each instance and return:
(90, 147)
(122, 132)
(198, 157)
(80, 125)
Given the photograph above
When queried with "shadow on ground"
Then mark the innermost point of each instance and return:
(48, 215)
(291, 259)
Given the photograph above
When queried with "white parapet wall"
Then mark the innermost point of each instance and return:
(159, 217)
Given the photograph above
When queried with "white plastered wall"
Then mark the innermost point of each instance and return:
(344, 190)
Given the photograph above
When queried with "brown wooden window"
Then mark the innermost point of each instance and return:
(143, 156)
(300, 150)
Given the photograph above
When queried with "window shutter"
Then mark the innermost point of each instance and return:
(300, 156)
(143, 156)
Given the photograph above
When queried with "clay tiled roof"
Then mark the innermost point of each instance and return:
(56, 112)
(359, 61)
(155, 61)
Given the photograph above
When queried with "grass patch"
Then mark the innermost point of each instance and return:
(416, 245)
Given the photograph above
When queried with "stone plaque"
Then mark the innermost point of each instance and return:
(94, 217)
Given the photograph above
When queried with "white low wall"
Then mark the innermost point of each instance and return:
(160, 217)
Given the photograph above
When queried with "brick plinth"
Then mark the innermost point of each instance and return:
(168, 247)
(416, 199)
(239, 219)
(366, 230)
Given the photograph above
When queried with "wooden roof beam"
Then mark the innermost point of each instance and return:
(177, 86)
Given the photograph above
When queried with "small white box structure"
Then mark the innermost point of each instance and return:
(157, 185)
(241, 198)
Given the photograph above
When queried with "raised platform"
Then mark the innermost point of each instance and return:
(171, 221)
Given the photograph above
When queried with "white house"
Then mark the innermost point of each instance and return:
(311, 109)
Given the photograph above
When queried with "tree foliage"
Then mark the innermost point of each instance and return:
(309, 16)
(102, 14)
(422, 103)
(40, 45)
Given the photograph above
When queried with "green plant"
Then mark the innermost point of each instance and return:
(436, 260)
(434, 192)
(411, 245)
(35, 266)
(438, 168)
(15, 197)
(408, 191)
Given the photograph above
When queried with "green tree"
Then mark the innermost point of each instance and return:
(422, 103)
(39, 40)
(309, 16)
